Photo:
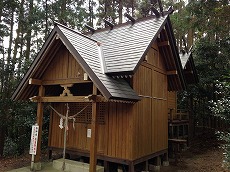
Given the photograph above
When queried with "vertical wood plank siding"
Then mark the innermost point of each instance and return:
(130, 131)
(63, 66)
(150, 114)
(172, 101)
(76, 138)
(119, 130)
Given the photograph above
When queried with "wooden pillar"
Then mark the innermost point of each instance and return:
(147, 165)
(37, 160)
(93, 141)
(106, 166)
(131, 167)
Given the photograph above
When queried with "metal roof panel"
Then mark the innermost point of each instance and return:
(88, 50)
(128, 41)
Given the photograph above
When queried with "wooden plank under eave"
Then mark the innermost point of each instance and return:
(172, 72)
(60, 99)
(35, 81)
(64, 81)
(164, 43)
(66, 99)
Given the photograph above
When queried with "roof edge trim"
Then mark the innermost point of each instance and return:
(150, 44)
(34, 64)
(102, 58)
(84, 65)
(75, 31)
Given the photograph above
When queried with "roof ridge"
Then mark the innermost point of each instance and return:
(127, 23)
(75, 31)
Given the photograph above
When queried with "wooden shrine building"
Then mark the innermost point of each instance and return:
(118, 78)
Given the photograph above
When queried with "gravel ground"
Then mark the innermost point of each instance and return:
(205, 155)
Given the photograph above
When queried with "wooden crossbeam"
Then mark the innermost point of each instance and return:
(130, 17)
(188, 72)
(164, 43)
(90, 28)
(35, 81)
(111, 25)
(172, 72)
(97, 98)
(57, 81)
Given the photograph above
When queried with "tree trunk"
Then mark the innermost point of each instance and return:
(191, 120)
(120, 11)
(7, 86)
(2, 139)
(62, 18)
(91, 13)
(190, 37)
(46, 19)
(28, 37)
(1, 8)
(19, 30)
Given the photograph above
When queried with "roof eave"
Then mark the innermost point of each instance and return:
(149, 46)
(23, 83)
(194, 68)
(84, 65)
(172, 41)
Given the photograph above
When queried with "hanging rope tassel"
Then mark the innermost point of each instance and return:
(61, 123)
(74, 120)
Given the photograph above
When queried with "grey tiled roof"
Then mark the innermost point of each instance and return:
(184, 59)
(124, 46)
(88, 50)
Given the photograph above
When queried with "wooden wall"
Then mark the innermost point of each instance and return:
(150, 133)
(63, 66)
(119, 130)
(114, 138)
(130, 131)
(76, 138)
(172, 101)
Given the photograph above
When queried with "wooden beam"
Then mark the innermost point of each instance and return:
(66, 91)
(164, 43)
(39, 122)
(172, 72)
(94, 131)
(57, 81)
(68, 99)
(188, 72)
(64, 81)
(35, 81)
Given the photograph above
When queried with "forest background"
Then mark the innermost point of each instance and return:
(203, 25)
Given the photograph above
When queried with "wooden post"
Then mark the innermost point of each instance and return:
(93, 141)
(37, 164)
(131, 167)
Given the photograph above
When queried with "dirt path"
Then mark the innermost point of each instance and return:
(205, 155)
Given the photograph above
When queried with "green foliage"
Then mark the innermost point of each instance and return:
(221, 107)
(209, 16)
(18, 119)
(225, 136)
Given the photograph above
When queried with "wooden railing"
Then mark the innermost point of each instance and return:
(181, 114)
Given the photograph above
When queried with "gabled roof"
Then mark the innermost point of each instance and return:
(108, 53)
(86, 51)
(125, 46)
(189, 68)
